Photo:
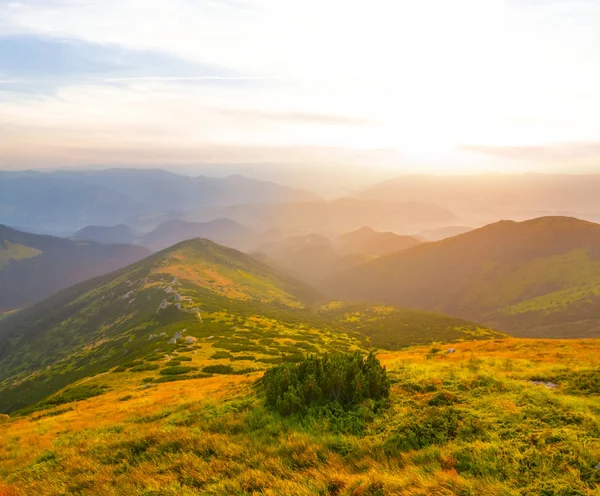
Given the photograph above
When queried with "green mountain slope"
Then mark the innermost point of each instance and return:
(393, 328)
(535, 277)
(196, 296)
(33, 267)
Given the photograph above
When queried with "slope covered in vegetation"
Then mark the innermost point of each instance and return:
(194, 294)
(466, 423)
(539, 277)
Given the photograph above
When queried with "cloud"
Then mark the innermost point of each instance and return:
(45, 63)
(561, 153)
(182, 79)
(299, 117)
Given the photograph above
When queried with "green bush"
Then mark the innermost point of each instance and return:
(218, 369)
(345, 379)
(144, 367)
(183, 358)
(220, 355)
(174, 378)
(178, 370)
(133, 363)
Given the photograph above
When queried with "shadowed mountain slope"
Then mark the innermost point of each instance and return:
(539, 277)
(33, 266)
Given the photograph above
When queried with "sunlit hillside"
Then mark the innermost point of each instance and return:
(194, 295)
(470, 422)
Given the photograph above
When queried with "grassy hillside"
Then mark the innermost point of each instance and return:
(392, 328)
(467, 423)
(540, 276)
(221, 299)
(32, 267)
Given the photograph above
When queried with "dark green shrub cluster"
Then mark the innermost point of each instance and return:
(178, 370)
(220, 355)
(218, 369)
(345, 379)
(174, 378)
(243, 357)
(144, 367)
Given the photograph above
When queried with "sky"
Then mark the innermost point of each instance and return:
(442, 86)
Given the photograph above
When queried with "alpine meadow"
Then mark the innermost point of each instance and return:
(264, 248)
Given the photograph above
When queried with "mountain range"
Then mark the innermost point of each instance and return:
(194, 294)
(33, 266)
(63, 201)
(332, 218)
(536, 278)
(313, 256)
(481, 199)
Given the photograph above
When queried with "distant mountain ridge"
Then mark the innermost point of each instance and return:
(33, 266)
(222, 231)
(65, 199)
(312, 256)
(539, 277)
(369, 242)
(332, 217)
(107, 235)
(484, 198)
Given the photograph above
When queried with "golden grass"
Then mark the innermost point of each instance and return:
(212, 436)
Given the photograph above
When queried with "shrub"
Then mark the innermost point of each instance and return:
(220, 355)
(183, 358)
(174, 378)
(345, 379)
(178, 370)
(144, 367)
(133, 363)
(218, 369)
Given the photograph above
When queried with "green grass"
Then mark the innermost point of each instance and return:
(12, 251)
(467, 423)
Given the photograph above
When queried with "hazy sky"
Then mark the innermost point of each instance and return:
(428, 85)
